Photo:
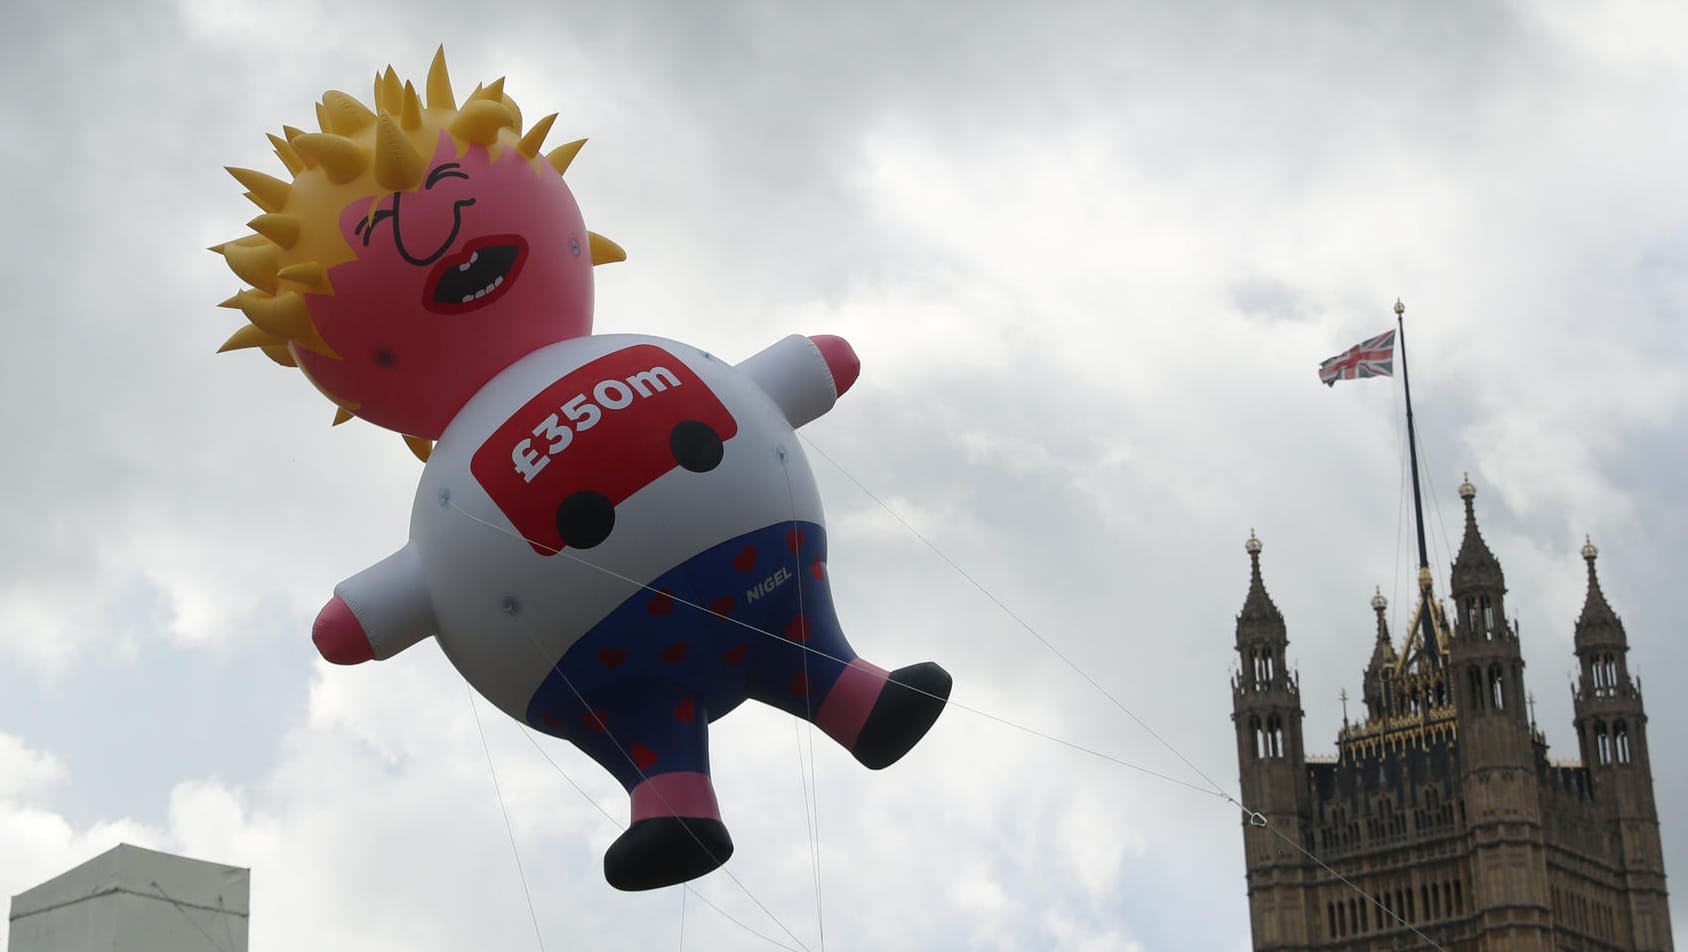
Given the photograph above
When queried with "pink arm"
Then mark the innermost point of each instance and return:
(376, 613)
(339, 636)
(841, 361)
(804, 376)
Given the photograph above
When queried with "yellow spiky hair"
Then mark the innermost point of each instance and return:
(359, 153)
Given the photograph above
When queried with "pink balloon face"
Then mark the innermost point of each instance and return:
(483, 263)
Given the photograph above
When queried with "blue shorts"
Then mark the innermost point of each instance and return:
(637, 692)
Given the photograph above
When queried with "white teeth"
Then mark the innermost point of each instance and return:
(483, 292)
(473, 257)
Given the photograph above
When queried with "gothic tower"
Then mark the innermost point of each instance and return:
(1266, 709)
(1497, 758)
(1611, 726)
(1442, 822)
(1375, 688)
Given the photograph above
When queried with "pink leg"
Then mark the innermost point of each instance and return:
(676, 833)
(850, 701)
(878, 716)
(682, 793)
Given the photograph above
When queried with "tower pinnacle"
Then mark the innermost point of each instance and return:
(1475, 568)
(1598, 623)
(1258, 611)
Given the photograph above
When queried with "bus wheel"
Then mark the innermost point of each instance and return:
(585, 519)
(696, 446)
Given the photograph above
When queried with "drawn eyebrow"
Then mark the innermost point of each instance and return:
(370, 224)
(448, 170)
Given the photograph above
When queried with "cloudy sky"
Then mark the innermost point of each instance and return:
(1090, 255)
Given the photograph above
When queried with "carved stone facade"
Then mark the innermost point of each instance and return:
(1442, 806)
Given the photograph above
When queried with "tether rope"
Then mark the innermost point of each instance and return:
(1217, 789)
(526, 893)
(1254, 817)
(951, 702)
(811, 780)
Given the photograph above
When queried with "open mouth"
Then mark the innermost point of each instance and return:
(478, 274)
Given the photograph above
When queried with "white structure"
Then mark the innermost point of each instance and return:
(130, 899)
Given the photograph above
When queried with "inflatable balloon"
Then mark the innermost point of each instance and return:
(616, 538)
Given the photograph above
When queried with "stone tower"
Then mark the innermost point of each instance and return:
(1497, 756)
(1266, 709)
(1611, 727)
(1441, 822)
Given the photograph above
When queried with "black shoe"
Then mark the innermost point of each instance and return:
(907, 708)
(665, 850)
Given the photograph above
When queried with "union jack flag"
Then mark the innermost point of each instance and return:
(1369, 358)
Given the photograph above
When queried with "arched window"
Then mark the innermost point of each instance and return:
(1620, 740)
(1611, 665)
(1474, 675)
(1471, 617)
(1274, 736)
(1459, 897)
(1258, 736)
(1602, 743)
(1488, 619)
(1330, 909)
(1497, 686)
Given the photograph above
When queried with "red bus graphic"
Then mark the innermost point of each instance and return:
(560, 465)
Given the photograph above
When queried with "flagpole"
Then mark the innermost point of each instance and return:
(1418, 499)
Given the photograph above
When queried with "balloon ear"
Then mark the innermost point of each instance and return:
(604, 251)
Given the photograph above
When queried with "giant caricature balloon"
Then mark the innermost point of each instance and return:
(617, 538)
